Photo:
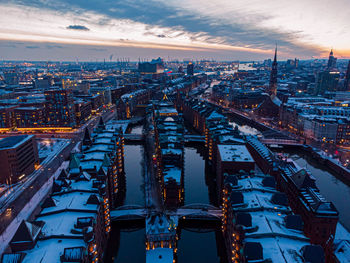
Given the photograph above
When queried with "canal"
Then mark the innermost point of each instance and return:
(200, 247)
(332, 188)
(196, 190)
(134, 177)
(126, 246)
(129, 246)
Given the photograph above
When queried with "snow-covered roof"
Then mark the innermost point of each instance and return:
(234, 153)
(63, 223)
(70, 201)
(50, 250)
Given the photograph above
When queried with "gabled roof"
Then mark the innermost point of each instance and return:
(63, 175)
(49, 202)
(87, 138)
(93, 200)
(74, 162)
(302, 179)
(27, 232)
(106, 161)
(101, 125)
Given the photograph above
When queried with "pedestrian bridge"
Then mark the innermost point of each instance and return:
(134, 137)
(192, 211)
(128, 212)
(199, 211)
(194, 138)
(281, 142)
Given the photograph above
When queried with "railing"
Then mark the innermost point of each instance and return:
(199, 206)
(136, 137)
(280, 142)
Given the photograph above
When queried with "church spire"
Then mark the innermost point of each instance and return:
(273, 77)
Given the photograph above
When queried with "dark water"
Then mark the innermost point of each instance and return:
(134, 177)
(197, 247)
(196, 190)
(330, 186)
(131, 246)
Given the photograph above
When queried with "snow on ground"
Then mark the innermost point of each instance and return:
(28, 209)
(47, 147)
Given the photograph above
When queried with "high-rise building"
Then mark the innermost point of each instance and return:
(347, 79)
(326, 81)
(190, 69)
(332, 61)
(60, 107)
(18, 157)
(272, 90)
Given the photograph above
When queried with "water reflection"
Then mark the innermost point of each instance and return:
(126, 246)
(134, 177)
(199, 247)
(196, 190)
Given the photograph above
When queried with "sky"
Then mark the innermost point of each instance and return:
(94, 30)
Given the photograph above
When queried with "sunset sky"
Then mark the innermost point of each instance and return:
(87, 30)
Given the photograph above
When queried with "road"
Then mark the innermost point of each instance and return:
(12, 205)
(15, 203)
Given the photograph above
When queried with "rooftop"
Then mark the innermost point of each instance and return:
(234, 153)
(13, 141)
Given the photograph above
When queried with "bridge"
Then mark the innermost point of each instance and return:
(128, 212)
(192, 211)
(194, 138)
(134, 137)
(281, 142)
(141, 137)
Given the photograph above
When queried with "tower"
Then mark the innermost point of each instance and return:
(190, 69)
(347, 78)
(332, 61)
(273, 76)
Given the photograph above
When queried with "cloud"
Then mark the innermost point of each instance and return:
(78, 27)
(32, 47)
(53, 46)
(245, 25)
(97, 49)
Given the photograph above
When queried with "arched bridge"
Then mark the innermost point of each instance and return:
(134, 137)
(191, 211)
(198, 211)
(128, 212)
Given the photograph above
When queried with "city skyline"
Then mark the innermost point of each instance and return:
(244, 30)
